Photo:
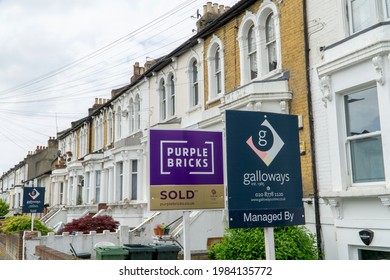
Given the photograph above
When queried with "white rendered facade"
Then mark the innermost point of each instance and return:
(350, 79)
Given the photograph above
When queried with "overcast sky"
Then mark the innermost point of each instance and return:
(57, 56)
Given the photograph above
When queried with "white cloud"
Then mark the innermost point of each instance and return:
(41, 36)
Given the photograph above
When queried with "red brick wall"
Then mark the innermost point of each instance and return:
(46, 253)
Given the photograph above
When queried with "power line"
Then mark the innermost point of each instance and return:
(97, 52)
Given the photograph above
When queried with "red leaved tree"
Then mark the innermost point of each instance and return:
(89, 223)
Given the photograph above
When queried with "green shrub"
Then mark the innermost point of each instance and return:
(14, 224)
(3, 207)
(291, 243)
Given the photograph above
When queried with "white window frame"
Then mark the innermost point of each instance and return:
(350, 139)
(134, 179)
(132, 116)
(163, 96)
(110, 127)
(171, 95)
(194, 83)
(266, 9)
(258, 21)
(119, 181)
(98, 182)
(83, 140)
(252, 54)
(73, 144)
(386, 9)
(377, 14)
(61, 192)
(213, 94)
(270, 43)
(87, 187)
(98, 133)
(137, 111)
(248, 22)
(118, 117)
(167, 96)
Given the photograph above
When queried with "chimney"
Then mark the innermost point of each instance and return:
(98, 103)
(114, 92)
(52, 143)
(149, 63)
(210, 13)
(137, 72)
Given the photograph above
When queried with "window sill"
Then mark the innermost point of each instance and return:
(351, 192)
(134, 133)
(194, 109)
(124, 204)
(214, 99)
(269, 75)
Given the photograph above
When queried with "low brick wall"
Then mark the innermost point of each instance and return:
(195, 255)
(46, 253)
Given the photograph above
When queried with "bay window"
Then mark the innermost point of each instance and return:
(362, 14)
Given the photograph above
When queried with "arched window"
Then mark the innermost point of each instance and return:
(270, 42)
(134, 107)
(137, 113)
(98, 133)
(110, 127)
(118, 123)
(248, 40)
(83, 140)
(215, 62)
(73, 143)
(194, 91)
(172, 96)
(217, 71)
(163, 100)
(268, 19)
(252, 52)
(132, 115)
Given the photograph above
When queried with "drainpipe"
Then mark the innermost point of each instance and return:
(311, 124)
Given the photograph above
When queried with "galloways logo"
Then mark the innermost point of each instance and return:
(34, 194)
(268, 143)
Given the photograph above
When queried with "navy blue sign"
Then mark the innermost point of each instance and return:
(33, 199)
(263, 170)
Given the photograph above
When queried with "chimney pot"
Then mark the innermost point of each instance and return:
(209, 7)
(221, 9)
(215, 8)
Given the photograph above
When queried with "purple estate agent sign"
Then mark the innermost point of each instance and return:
(186, 170)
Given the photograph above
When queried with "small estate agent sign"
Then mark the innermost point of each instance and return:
(33, 199)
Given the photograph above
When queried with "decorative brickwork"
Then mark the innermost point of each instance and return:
(293, 62)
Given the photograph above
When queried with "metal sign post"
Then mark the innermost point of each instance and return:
(186, 237)
(32, 221)
(269, 243)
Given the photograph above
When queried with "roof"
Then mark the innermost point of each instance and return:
(164, 61)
